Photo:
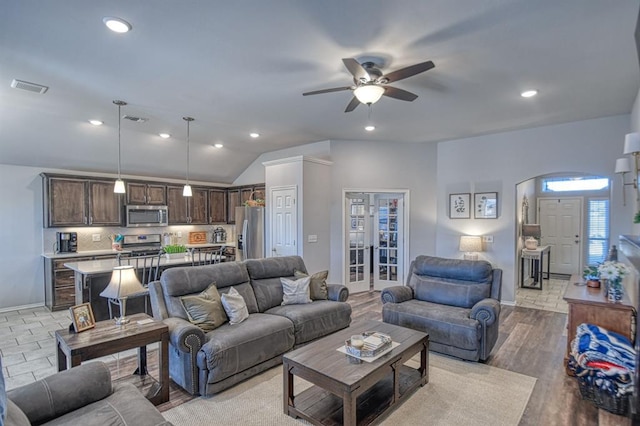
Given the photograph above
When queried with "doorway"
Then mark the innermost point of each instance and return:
(375, 243)
(561, 229)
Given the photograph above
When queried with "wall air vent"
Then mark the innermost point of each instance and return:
(31, 87)
(134, 119)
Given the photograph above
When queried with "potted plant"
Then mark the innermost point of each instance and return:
(591, 276)
(174, 251)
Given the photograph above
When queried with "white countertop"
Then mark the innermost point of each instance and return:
(51, 255)
(105, 266)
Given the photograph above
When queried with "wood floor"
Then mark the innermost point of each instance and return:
(531, 342)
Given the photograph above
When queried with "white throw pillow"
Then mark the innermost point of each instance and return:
(235, 306)
(295, 292)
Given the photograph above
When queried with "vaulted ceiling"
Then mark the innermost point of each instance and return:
(242, 66)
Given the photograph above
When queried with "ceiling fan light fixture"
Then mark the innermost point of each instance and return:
(117, 25)
(369, 94)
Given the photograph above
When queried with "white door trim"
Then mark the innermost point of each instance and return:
(407, 225)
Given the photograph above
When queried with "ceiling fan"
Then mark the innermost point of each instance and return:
(370, 84)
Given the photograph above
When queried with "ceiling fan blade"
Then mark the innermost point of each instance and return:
(352, 105)
(403, 73)
(357, 70)
(403, 95)
(335, 89)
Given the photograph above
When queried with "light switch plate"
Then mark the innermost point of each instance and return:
(95, 238)
(487, 238)
(312, 238)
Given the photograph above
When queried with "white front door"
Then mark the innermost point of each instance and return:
(358, 236)
(561, 228)
(283, 209)
(388, 247)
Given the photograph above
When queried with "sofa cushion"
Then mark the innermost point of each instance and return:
(234, 306)
(295, 292)
(449, 325)
(318, 288)
(189, 280)
(231, 349)
(315, 319)
(205, 310)
(125, 406)
(265, 277)
(455, 269)
(451, 292)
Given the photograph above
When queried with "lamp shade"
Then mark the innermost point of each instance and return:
(632, 143)
(469, 243)
(119, 188)
(531, 230)
(369, 94)
(622, 165)
(124, 283)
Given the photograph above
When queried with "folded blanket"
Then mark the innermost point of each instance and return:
(594, 344)
(618, 385)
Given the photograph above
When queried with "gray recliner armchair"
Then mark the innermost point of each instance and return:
(457, 302)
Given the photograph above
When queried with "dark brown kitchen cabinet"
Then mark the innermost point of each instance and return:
(233, 201)
(187, 210)
(146, 193)
(259, 193)
(72, 201)
(217, 206)
(238, 196)
(105, 207)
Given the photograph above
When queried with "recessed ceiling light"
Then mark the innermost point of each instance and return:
(117, 25)
(254, 135)
(528, 93)
(218, 145)
(164, 135)
(370, 128)
(96, 122)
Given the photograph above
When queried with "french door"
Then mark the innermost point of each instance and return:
(388, 251)
(358, 226)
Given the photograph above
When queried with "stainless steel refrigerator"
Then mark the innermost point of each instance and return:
(250, 232)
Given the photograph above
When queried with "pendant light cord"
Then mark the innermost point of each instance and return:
(188, 120)
(119, 148)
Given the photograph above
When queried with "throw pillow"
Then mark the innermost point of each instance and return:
(295, 292)
(318, 287)
(235, 306)
(205, 310)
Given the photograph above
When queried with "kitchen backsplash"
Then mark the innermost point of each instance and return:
(86, 235)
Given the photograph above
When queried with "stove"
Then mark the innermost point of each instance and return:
(142, 244)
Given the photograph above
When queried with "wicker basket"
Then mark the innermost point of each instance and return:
(612, 403)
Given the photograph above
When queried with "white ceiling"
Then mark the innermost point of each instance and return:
(242, 66)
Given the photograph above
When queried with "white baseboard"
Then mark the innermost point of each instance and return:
(508, 302)
(19, 308)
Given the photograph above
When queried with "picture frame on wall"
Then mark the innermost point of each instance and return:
(485, 205)
(459, 206)
(82, 317)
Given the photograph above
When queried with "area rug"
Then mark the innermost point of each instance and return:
(458, 393)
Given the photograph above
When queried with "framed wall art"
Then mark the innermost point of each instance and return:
(459, 206)
(485, 205)
(82, 317)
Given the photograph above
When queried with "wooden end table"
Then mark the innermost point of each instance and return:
(351, 393)
(107, 338)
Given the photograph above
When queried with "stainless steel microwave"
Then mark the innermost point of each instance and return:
(138, 216)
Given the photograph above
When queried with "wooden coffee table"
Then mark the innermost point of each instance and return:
(107, 338)
(348, 391)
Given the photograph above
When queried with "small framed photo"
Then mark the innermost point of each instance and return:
(485, 205)
(459, 206)
(82, 317)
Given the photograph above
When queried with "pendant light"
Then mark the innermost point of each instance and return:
(186, 192)
(118, 188)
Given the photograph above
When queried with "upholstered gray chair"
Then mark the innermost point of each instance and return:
(457, 302)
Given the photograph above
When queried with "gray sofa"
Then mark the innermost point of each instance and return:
(456, 301)
(83, 395)
(206, 363)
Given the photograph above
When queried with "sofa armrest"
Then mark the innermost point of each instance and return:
(396, 294)
(184, 335)
(486, 311)
(337, 292)
(63, 392)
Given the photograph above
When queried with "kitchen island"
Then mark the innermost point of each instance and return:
(91, 277)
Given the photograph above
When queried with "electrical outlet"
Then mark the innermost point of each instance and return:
(179, 234)
(487, 238)
(95, 238)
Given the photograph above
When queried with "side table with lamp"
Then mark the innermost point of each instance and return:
(535, 254)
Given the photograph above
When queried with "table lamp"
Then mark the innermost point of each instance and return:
(471, 245)
(124, 283)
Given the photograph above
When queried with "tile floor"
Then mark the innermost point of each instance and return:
(27, 344)
(547, 299)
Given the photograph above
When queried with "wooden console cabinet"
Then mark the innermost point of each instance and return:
(591, 305)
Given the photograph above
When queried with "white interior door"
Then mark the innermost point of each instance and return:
(561, 228)
(284, 221)
(388, 255)
(358, 237)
